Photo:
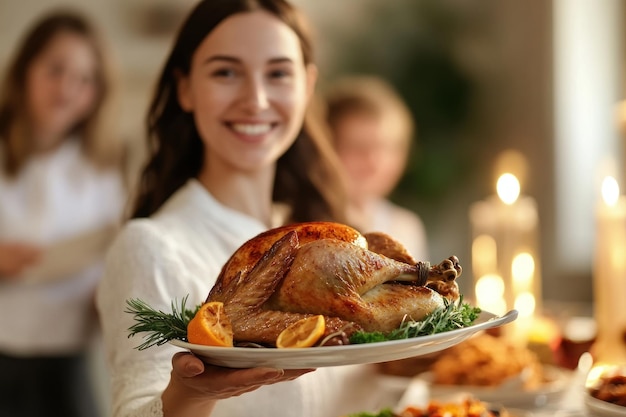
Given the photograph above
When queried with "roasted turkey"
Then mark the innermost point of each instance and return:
(358, 282)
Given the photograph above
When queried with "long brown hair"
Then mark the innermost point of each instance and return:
(307, 176)
(99, 143)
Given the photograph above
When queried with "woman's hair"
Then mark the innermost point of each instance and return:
(98, 141)
(307, 175)
(370, 96)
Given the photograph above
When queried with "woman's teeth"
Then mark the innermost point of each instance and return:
(251, 129)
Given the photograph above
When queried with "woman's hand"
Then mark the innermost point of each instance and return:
(15, 258)
(195, 386)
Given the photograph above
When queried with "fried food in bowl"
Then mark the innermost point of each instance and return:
(486, 360)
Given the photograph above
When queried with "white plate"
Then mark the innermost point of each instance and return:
(599, 408)
(510, 395)
(315, 357)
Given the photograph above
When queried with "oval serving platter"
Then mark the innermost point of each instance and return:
(316, 357)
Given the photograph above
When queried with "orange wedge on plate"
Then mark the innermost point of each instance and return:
(210, 326)
(303, 333)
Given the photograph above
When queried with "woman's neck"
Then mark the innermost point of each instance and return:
(46, 141)
(361, 211)
(248, 193)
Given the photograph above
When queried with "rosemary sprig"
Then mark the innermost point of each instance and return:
(453, 315)
(160, 327)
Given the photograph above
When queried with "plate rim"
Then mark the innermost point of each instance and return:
(606, 408)
(488, 320)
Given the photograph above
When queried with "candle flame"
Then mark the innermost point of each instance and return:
(525, 304)
(508, 188)
(610, 191)
(489, 292)
(522, 270)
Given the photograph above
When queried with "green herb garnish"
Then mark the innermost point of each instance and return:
(385, 412)
(161, 327)
(453, 315)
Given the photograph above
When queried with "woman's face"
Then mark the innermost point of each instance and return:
(248, 89)
(61, 87)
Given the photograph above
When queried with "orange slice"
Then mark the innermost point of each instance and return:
(210, 326)
(303, 333)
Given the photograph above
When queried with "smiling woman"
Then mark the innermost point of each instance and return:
(232, 146)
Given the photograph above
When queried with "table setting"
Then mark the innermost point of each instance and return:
(563, 394)
(563, 359)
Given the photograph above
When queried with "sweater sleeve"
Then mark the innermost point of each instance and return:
(143, 264)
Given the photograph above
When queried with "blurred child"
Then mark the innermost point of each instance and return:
(372, 129)
(61, 194)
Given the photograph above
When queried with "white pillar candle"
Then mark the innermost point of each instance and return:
(609, 275)
(505, 254)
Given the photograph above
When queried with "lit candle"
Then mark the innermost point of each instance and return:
(505, 254)
(609, 275)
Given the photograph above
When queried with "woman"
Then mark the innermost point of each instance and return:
(372, 130)
(228, 143)
(62, 196)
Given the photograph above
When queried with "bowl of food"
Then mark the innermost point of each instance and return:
(605, 388)
(495, 370)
